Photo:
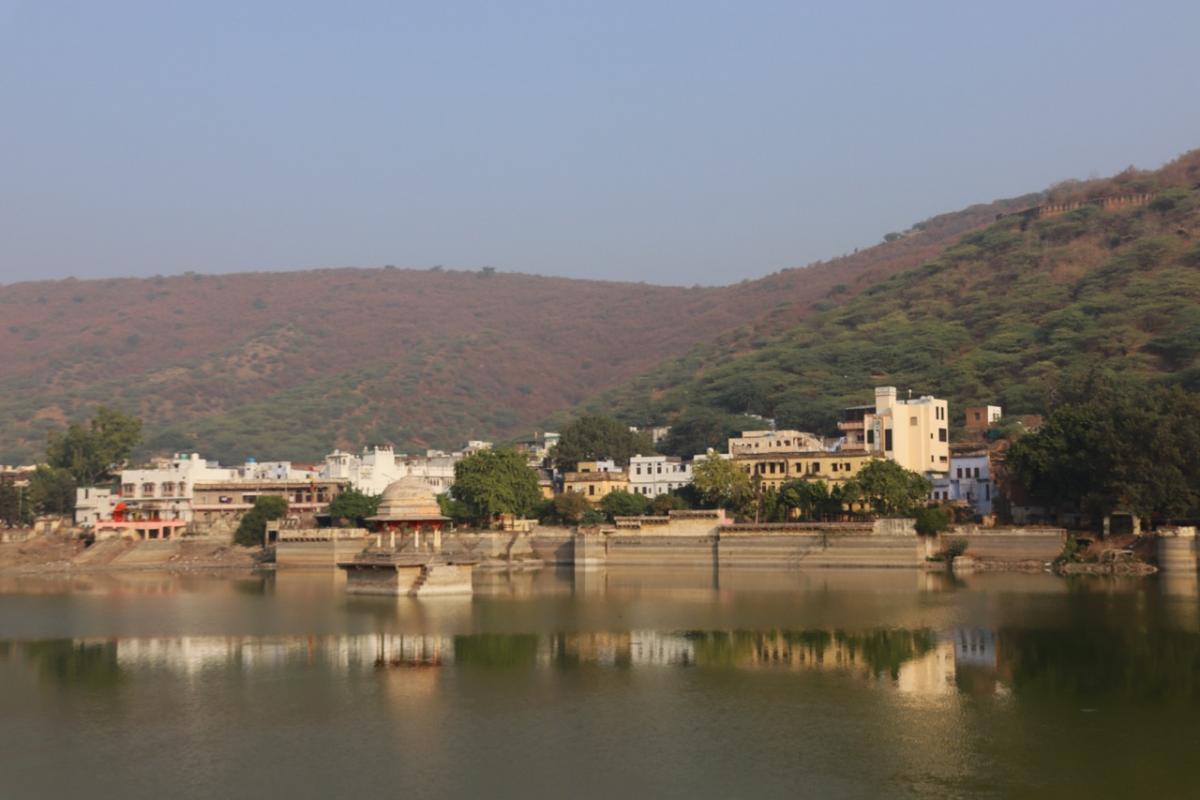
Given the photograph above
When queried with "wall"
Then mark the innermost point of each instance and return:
(1009, 544)
(317, 552)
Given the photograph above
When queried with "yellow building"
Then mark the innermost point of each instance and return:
(915, 433)
(774, 470)
(596, 485)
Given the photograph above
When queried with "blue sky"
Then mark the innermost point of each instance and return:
(671, 142)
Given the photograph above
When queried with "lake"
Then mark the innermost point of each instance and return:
(636, 683)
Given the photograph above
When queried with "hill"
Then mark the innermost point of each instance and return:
(1102, 275)
(290, 365)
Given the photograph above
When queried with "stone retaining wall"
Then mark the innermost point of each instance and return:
(1009, 544)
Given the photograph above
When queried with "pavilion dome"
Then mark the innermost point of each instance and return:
(409, 498)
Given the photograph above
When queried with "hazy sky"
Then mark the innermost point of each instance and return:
(672, 142)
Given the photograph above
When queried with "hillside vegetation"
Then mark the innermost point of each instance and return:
(998, 317)
(290, 365)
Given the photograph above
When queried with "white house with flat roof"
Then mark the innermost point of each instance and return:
(651, 476)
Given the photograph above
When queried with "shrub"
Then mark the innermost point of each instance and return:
(955, 548)
(931, 521)
(253, 526)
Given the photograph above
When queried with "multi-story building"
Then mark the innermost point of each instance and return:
(969, 481)
(596, 484)
(370, 472)
(376, 468)
(219, 505)
(773, 441)
(772, 470)
(914, 433)
(186, 491)
(651, 476)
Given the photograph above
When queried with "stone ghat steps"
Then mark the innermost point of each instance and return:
(104, 552)
(146, 553)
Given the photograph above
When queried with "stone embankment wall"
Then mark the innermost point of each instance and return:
(316, 551)
(1177, 553)
(829, 547)
(1009, 544)
(553, 544)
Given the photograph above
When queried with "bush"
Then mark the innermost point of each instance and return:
(955, 548)
(624, 504)
(253, 527)
(931, 521)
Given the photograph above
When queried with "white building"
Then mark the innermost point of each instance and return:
(377, 467)
(93, 504)
(968, 481)
(651, 476)
(370, 473)
(165, 491)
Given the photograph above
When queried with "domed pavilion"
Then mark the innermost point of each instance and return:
(409, 506)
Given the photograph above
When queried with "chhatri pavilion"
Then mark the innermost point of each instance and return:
(409, 506)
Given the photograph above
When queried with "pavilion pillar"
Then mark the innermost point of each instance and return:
(437, 538)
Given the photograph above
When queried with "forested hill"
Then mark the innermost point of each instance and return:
(290, 365)
(1106, 276)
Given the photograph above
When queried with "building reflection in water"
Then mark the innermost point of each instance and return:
(968, 660)
(913, 661)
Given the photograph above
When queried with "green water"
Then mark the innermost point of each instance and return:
(626, 683)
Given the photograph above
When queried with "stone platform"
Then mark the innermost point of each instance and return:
(407, 575)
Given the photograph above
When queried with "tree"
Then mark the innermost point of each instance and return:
(701, 429)
(809, 499)
(14, 506)
(593, 437)
(666, 503)
(932, 520)
(354, 506)
(624, 504)
(497, 481)
(93, 452)
(571, 507)
(1111, 445)
(52, 491)
(721, 483)
(253, 527)
(891, 489)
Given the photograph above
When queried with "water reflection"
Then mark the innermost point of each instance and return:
(1046, 664)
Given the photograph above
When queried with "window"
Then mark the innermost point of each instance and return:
(816, 466)
(846, 466)
(912, 421)
(942, 435)
(835, 466)
(887, 439)
(960, 472)
(871, 436)
(591, 490)
(977, 472)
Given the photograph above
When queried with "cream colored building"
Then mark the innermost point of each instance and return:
(760, 442)
(915, 433)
